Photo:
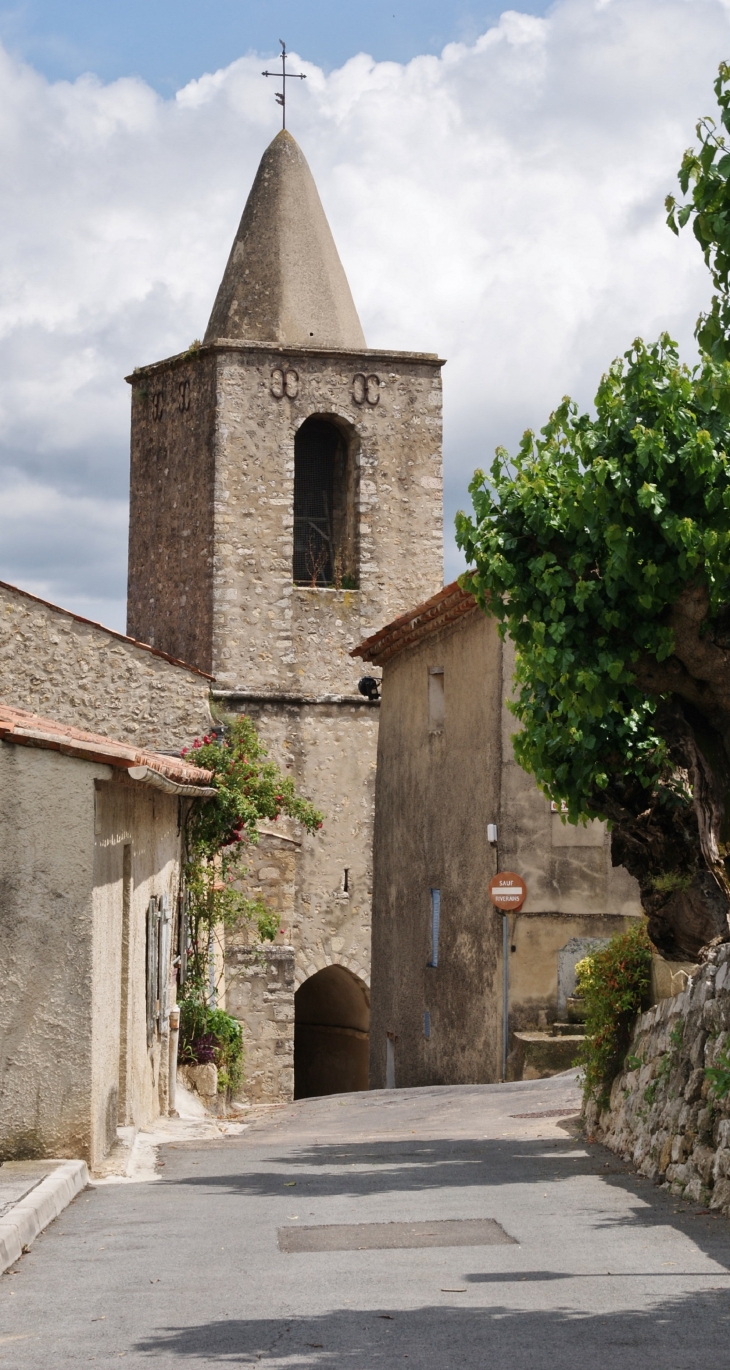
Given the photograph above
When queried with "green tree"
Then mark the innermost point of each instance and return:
(603, 549)
(221, 831)
(707, 173)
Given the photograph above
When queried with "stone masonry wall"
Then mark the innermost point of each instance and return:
(267, 632)
(169, 595)
(225, 549)
(260, 993)
(74, 671)
(663, 1115)
(330, 751)
(281, 651)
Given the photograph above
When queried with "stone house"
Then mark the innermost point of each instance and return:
(91, 833)
(66, 667)
(285, 499)
(457, 986)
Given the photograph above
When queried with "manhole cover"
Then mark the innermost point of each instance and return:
(381, 1236)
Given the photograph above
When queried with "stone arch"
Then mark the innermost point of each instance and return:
(325, 550)
(331, 1033)
(319, 960)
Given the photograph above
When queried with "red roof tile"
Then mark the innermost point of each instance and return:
(442, 609)
(31, 730)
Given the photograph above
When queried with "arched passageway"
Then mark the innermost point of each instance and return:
(331, 1027)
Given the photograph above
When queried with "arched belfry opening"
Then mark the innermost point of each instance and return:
(325, 505)
(331, 1031)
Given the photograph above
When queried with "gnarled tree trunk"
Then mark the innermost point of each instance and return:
(680, 851)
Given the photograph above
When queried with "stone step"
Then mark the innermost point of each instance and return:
(538, 1055)
(568, 1029)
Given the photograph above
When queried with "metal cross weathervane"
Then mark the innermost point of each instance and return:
(284, 76)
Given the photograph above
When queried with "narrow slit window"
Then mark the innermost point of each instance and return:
(436, 709)
(427, 1025)
(435, 926)
(390, 1061)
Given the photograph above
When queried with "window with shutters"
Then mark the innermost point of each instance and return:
(325, 500)
(159, 947)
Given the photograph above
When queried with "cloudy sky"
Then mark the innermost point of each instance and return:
(495, 184)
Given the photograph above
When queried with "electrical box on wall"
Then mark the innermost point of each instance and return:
(492, 833)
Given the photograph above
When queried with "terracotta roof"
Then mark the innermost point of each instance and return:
(18, 725)
(121, 637)
(446, 607)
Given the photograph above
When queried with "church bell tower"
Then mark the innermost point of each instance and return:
(286, 501)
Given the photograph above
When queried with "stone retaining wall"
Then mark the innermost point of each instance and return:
(664, 1117)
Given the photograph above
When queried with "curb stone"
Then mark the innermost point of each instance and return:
(20, 1227)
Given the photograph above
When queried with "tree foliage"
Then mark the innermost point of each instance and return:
(706, 173)
(603, 549)
(581, 543)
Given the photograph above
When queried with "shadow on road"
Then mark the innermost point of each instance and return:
(368, 1168)
(681, 1333)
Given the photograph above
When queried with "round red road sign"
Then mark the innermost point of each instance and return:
(507, 890)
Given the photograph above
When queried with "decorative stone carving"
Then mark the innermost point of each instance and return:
(284, 381)
(366, 389)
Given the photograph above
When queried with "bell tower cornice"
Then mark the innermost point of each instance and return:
(375, 354)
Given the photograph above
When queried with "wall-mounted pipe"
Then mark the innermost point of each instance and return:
(172, 1076)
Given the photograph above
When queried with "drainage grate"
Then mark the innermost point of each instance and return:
(382, 1236)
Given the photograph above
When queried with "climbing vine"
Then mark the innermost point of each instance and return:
(220, 833)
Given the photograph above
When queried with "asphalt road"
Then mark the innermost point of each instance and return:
(587, 1265)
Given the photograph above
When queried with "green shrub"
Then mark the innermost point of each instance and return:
(209, 1034)
(615, 987)
(719, 1074)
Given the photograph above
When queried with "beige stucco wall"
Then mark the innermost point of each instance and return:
(436, 791)
(145, 820)
(77, 672)
(544, 949)
(64, 824)
(435, 794)
(46, 919)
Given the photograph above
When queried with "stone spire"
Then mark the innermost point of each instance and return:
(284, 281)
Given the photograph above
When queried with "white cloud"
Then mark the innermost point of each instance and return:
(501, 204)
